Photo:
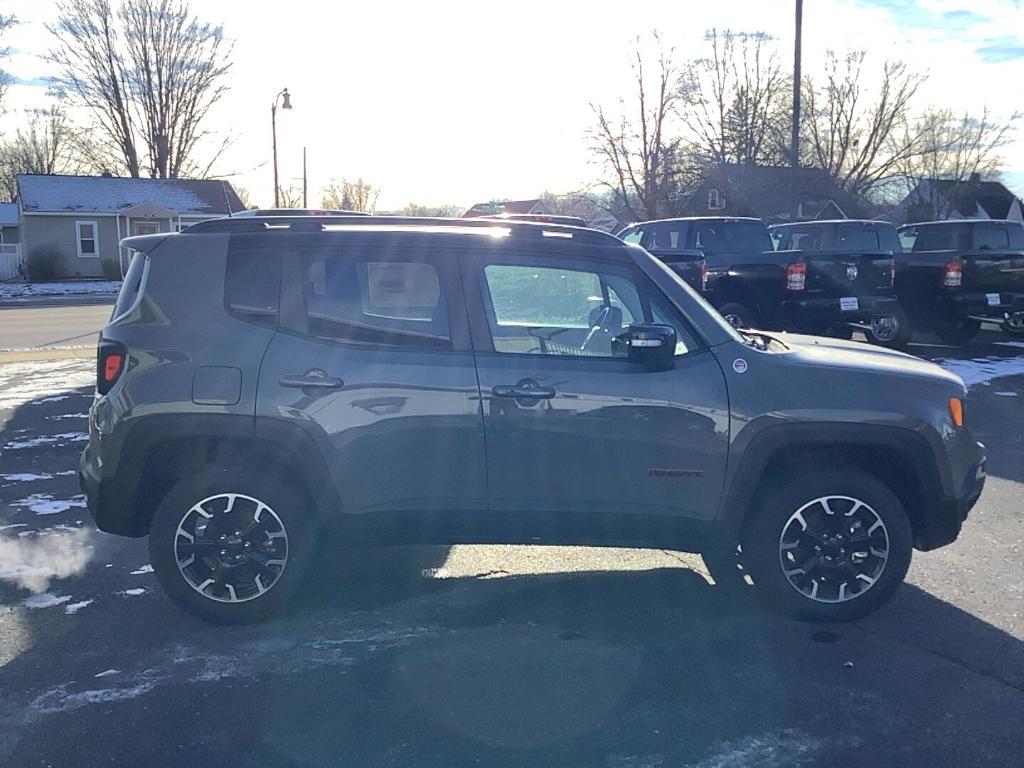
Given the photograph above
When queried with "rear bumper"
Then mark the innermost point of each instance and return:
(978, 304)
(820, 312)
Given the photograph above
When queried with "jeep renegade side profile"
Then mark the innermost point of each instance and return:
(266, 379)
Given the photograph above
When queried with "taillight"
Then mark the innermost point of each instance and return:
(703, 276)
(953, 275)
(110, 359)
(796, 276)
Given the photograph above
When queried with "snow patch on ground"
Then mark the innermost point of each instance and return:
(33, 561)
(985, 369)
(35, 442)
(59, 700)
(62, 416)
(42, 380)
(133, 592)
(144, 569)
(76, 607)
(26, 477)
(773, 750)
(107, 673)
(76, 288)
(45, 600)
(45, 504)
(1006, 394)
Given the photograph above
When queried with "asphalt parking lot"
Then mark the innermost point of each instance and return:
(498, 655)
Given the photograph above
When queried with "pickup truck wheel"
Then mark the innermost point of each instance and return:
(957, 331)
(1014, 324)
(893, 332)
(230, 545)
(833, 546)
(738, 315)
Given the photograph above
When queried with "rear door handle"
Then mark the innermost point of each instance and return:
(314, 379)
(523, 391)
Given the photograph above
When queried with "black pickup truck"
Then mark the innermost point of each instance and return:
(956, 275)
(753, 285)
(866, 248)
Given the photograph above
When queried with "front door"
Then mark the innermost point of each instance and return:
(574, 430)
(374, 359)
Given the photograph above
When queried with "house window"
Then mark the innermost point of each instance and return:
(716, 199)
(88, 240)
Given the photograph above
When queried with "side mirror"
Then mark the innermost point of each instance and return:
(652, 345)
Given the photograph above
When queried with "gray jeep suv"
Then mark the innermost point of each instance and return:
(266, 380)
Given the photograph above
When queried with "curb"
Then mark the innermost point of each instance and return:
(51, 353)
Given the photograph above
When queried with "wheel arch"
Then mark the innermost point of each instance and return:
(164, 449)
(900, 458)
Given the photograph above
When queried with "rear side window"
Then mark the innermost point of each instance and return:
(375, 300)
(800, 239)
(938, 238)
(132, 285)
(992, 236)
(253, 284)
(667, 237)
(733, 237)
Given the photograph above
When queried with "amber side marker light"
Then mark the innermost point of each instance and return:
(956, 410)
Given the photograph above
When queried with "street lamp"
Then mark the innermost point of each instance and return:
(286, 103)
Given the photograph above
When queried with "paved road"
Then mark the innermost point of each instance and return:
(41, 323)
(497, 656)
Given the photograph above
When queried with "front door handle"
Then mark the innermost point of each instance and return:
(312, 379)
(524, 390)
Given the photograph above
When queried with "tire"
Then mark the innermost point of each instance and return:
(1014, 324)
(828, 591)
(738, 315)
(259, 578)
(843, 332)
(957, 331)
(894, 334)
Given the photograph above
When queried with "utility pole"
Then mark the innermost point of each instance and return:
(794, 158)
(304, 203)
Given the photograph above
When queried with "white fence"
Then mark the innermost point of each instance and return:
(10, 260)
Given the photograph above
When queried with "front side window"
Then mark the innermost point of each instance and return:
(570, 311)
(991, 237)
(368, 300)
(86, 232)
(666, 237)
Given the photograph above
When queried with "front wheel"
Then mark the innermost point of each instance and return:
(230, 545)
(828, 547)
(957, 331)
(893, 331)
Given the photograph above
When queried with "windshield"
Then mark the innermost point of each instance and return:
(715, 237)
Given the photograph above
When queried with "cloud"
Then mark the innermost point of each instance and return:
(999, 49)
(964, 18)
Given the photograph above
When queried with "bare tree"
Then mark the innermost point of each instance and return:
(442, 211)
(735, 100)
(46, 144)
(636, 144)
(957, 149)
(358, 195)
(290, 196)
(861, 136)
(147, 75)
(7, 21)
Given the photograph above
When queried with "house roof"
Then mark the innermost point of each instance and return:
(994, 198)
(111, 194)
(8, 214)
(774, 191)
(506, 206)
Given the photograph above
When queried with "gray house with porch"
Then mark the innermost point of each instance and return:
(80, 220)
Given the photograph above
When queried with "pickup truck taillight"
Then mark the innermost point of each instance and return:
(953, 274)
(796, 276)
(110, 360)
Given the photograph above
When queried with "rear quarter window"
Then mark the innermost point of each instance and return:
(253, 284)
(132, 285)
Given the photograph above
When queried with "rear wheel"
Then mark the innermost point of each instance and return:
(828, 547)
(738, 315)
(893, 331)
(1014, 324)
(957, 331)
(230, 545)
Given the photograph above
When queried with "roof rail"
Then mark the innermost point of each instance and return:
(295, 224)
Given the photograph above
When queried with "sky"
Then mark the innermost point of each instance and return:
(453, 102)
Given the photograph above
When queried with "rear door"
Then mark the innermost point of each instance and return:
(374, 361)
(575, 432)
